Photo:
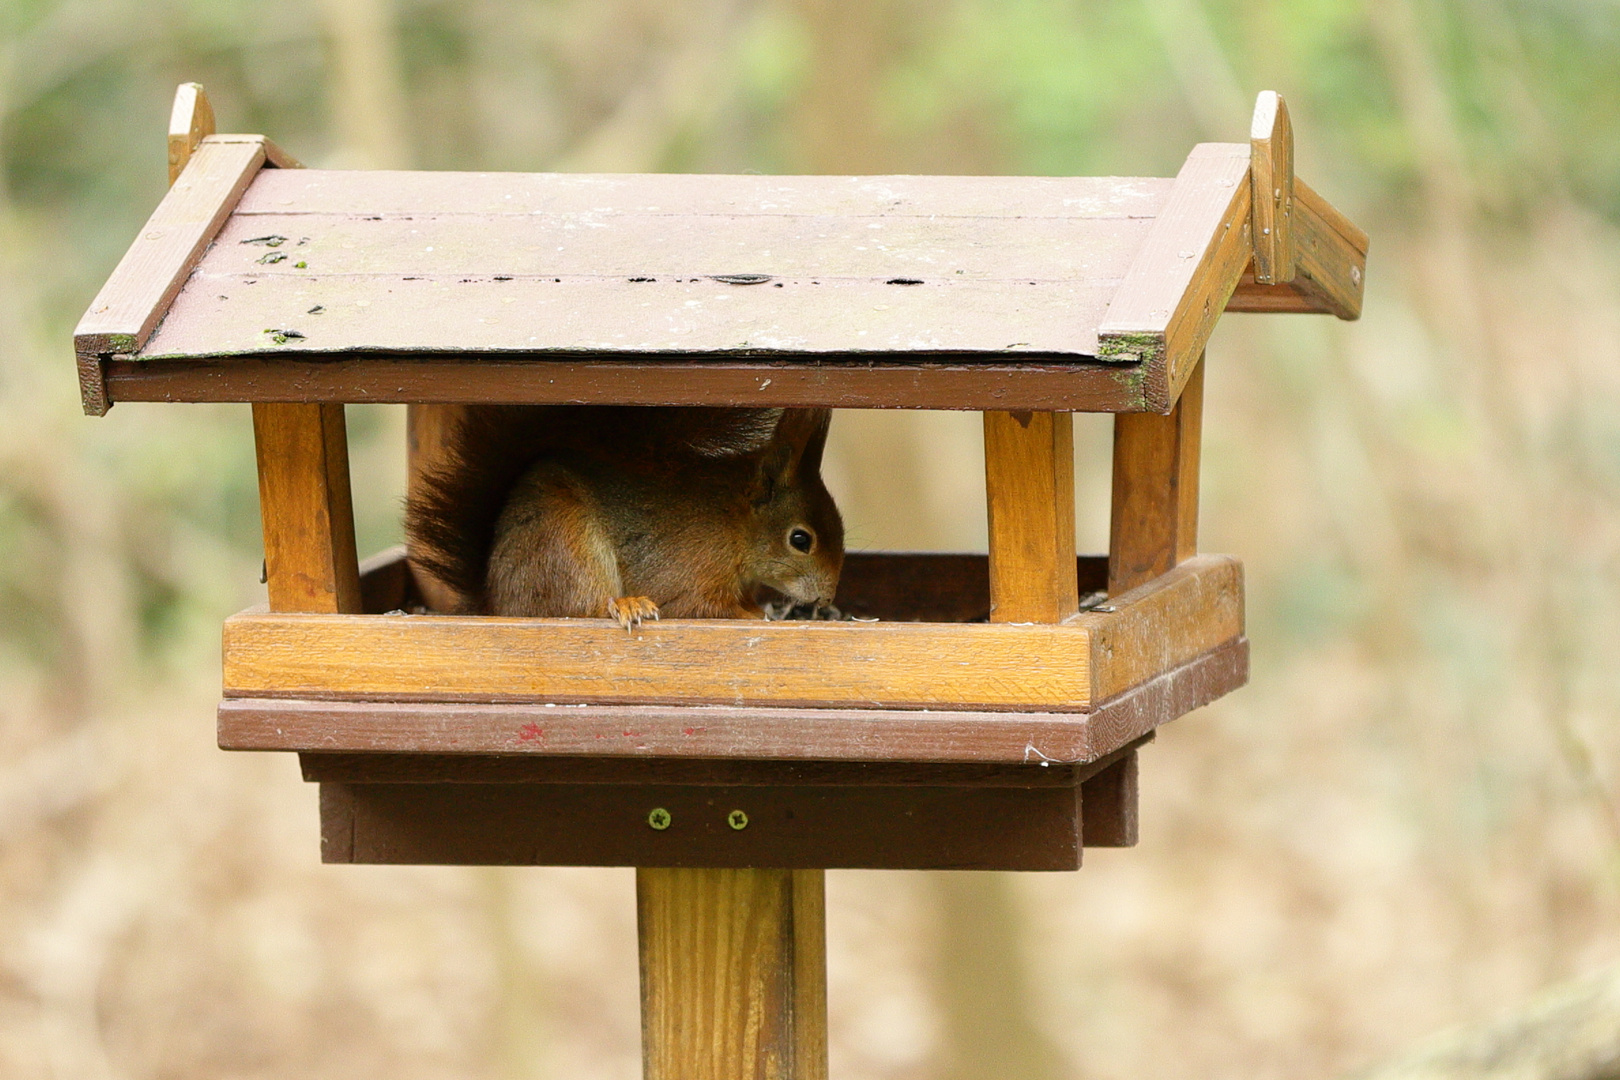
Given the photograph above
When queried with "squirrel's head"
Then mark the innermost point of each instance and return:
(796, 545)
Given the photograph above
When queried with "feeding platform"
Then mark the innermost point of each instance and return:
(987, 719)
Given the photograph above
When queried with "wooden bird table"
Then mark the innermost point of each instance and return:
(988, 720)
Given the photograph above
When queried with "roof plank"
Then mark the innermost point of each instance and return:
(597, 196)
(339, 262)
(155, 267)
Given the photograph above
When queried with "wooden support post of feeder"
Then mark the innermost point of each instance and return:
(1153, 526)
(733, 973)
(1029, 492)
(309, 552)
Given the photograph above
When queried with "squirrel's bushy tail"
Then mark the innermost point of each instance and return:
(451, 518)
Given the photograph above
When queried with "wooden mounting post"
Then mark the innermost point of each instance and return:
(1271, 172)
(733, 974)
(1029, 484)
(428, 429)
(1155, 507)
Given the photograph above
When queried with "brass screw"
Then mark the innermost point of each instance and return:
(737, 820)
(659, 818)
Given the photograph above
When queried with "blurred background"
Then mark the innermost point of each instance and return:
(1408, 819)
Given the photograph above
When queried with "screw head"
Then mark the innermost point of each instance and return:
(737, 820)
(659, 818)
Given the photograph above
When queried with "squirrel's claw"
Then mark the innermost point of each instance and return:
(629, 611)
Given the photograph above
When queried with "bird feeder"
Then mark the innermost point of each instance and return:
(988, 718)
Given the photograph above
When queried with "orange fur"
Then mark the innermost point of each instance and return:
(591, 511)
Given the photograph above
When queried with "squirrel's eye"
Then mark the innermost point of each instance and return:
(801, 540)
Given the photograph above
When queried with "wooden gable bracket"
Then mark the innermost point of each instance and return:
(1239, 233)
(207, 175)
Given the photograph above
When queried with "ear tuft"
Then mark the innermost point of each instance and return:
(804, 432)
(794, 451)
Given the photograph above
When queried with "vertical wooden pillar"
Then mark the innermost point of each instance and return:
(733, 974)
(428, 429)
(304, 502)
(1155, 513)
(1029, 484)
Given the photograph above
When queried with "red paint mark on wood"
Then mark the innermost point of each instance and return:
(530, 732)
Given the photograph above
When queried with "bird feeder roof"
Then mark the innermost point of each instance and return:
(254, 281)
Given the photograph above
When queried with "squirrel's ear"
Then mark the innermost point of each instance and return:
(794, 452)
(803, 434)
(815, 442)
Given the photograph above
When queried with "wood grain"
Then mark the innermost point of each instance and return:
(1271, 175)
(1154, 524)
(1029, 486)
(305, 508)
(941, 666)
(1172, 622)
(715, 661)
(1185, 272)
(733, 974)
(734, 773)
(190, 121)
(589, 197)
(1331, 253)
(1167, 625)
(660, 313)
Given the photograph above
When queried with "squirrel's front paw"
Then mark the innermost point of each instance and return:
(629, 611)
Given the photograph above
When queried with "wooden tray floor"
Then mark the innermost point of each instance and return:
(712, 688)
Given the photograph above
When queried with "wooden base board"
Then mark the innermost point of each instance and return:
(607, 825)
(539, 809)
(896, 826)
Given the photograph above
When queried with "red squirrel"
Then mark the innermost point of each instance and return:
(630, 513)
